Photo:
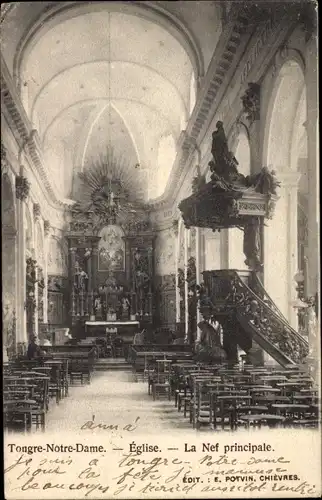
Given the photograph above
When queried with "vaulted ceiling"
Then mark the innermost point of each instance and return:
(94, 75)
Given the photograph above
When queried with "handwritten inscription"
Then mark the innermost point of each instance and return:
(93, 425)
(148, 472)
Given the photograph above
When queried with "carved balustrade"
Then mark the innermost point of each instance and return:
(224, 293)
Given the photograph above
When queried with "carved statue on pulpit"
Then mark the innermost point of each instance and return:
(224, 164)
(219, 147)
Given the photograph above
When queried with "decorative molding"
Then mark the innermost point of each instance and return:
(29, 140)
(251, 102)
(4, 160)
(22, 188)
(36, 211)
(47, 227)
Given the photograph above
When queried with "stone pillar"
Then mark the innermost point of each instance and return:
(94, 266)
(198, 278)
(177, 249)
(90, 272)
(293, 248)
(235, 242)
(280, 245)
(46, 250)
(186, 234)
(311, 81)
(72, 261)
(9, 277)
(21, 272)
(36, 329)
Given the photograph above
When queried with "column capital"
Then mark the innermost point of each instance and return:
(288, 178)
(22, 188)
(9, 231)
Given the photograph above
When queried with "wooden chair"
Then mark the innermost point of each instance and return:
(80, 370)
(26, 412)
(162, 382)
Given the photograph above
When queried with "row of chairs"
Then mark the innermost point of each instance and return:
(220, 396)
(30, 385)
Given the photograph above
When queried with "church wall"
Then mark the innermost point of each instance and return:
(33, 207)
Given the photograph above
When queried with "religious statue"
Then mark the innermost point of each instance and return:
(98, 306)
(125, 307)
(219, 147)
(81, 277)
(224, 164)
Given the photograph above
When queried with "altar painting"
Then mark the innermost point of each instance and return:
(111, 249)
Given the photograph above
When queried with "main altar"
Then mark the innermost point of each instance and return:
(111, 260)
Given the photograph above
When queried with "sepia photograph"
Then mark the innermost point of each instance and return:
(160, 249)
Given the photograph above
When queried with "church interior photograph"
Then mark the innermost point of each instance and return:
(160, 215)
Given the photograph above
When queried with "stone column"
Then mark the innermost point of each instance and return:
(9, 276)
(90, 272)
(186, 235)
(46, 250)
(177, 250)
(21, 270)
(280, 245)
(235, 242)
(198, 280)
(311, 74)
(36, 329)
(94, 266)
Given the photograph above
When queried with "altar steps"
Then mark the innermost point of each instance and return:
(112, 364)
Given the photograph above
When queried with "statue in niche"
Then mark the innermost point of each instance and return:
(98, 306)
(125, 308)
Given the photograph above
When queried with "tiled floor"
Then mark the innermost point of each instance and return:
(115, 398)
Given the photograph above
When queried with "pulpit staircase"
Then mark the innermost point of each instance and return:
(239, 301)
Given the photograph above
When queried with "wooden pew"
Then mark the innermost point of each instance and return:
(141, 355)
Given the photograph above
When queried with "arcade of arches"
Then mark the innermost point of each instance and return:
(108, 110)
